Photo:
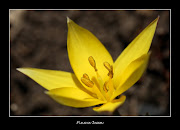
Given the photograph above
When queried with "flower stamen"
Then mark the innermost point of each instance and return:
(92, 62)
(86, 76)
(105, 87)
(109, 68)
(85, 79)
(108, 85)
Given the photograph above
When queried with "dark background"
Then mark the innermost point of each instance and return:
(38, 39)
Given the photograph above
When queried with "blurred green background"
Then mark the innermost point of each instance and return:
(38, 39)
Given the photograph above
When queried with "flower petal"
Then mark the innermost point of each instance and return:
(51, 79)
(81, 44)
(139, 46)
(111, 106)
(73, 97)
(132, 74)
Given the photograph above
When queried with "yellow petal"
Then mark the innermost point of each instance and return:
(81, 44)
(73, 97)
(139, 46)
(51, 79)
(132, 74)
(111, 106)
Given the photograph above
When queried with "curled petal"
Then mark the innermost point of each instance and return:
(111, 106)
(73, 97)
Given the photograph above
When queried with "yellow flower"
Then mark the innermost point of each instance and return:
(96, 79)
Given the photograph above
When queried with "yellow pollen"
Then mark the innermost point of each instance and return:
(109, 68)
(86, 76)
(92, 62)
(87, 82)
(105, 88)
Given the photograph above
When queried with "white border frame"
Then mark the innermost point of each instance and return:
(89, 10)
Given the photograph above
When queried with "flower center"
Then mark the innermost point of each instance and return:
(105, 89)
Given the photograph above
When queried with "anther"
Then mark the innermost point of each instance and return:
(109, 68)
(105, 88)
(87, 82)
(92, 62)
(86, 76)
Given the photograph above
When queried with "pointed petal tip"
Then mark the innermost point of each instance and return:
(68, 19)
(22, 70)
(156, 20)
(19, 69)
(25, 71)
